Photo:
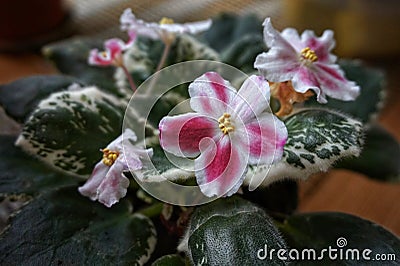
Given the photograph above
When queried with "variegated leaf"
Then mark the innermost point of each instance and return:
(317, 138)
(142, 59)
(68, 128)
(165, 166)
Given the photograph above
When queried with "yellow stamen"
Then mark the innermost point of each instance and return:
(103, 54)
(225, 123)
(165, 20)
(308, 55)
(109, 156)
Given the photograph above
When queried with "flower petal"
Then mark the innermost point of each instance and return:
(89, 189)
(114, 185)
(181, 134)
(190, 27)
(266, 135)
(97, 58)
(305, 79)
(320, 45)
(117, 143)
(292, 36)
(211, 94)
(281, 61)
(114, 47)
(131, 24)
(221, 168)
(334, 84)
(252, 98)
(134, 156)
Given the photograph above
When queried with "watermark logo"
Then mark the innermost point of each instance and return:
(333, 253)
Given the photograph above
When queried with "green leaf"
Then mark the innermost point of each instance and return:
(71, 58)
(277, 199)
(231, 28)
(231, 232)
(169, 260)
(143, 57)
(67, 129)
(20, 97)
(317, 138)
(380, 157)
(369, 102)
(20, 173)
(164, 169)
(322, 230)
(243, 52)
(63, 228)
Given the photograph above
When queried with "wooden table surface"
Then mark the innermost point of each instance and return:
(337, 191)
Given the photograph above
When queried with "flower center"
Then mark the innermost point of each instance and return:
(225, 123)
(165, 20)
(308, 55)
(109, 156)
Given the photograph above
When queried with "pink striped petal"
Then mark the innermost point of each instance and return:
(304, 80)
(277, 65)
(221, 168)
(320, 45)
(114, 185)
(99, 58)
(89, 189)
(252, 98)
(181, 134)
(334, 84)
(266, 135)
(211, 94)
(114, 47)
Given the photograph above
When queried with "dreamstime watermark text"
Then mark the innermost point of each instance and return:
(338, 252)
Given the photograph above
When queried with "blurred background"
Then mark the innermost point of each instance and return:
(364, 29)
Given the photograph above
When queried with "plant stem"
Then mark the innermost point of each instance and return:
(164, 56)
(129, 77)
(153, 210)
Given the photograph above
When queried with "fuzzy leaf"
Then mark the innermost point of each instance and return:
(67, 129)
(169, 260)
(71, 58)
(339, 231)
(317, 138)
(369, 102)
(231, 232)
(243, 52)
(232, 28)
(63, 228)
(20, 97)
(20, 173)
(380, 157)
(278, 198)
(164, 169)
(142, 59)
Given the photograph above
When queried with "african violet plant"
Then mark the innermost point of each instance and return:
(83, 172)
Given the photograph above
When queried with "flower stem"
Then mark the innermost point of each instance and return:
(164, 56)
(167, 48)
(129, 77)
(153, 210)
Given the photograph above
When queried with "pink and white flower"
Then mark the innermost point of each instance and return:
(228, 131)
(306, 61)
(112, 55)
(107, 184)
(164, 30)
